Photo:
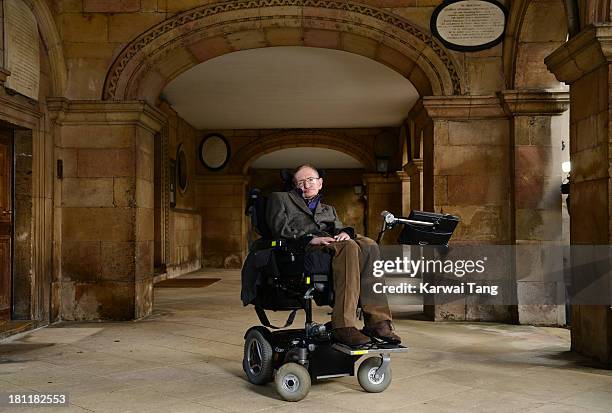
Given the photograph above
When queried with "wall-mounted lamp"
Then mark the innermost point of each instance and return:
(385, 147)
(566, 167)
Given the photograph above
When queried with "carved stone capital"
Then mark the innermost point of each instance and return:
(86, 112)
(414, 167)
(535, 102)
(463, 107)
(582, 54)
(403, 176)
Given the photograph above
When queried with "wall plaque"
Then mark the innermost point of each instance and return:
(22, 57)
(469, 25)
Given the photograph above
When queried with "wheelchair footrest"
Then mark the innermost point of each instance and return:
(377, 348)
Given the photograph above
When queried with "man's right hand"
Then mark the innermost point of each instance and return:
(321, 241)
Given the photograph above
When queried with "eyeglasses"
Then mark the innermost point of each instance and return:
(310, 181)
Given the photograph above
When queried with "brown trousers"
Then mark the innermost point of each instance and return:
(352, 267)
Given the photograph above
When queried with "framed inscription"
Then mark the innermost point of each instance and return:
(469, 25)
(21, 57)
(214, 152)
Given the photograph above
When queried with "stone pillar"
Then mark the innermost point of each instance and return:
(471, 176)
(536, 135)
(104, 208)
(584, 62)
(222, 201)
(406, 185)
(414, 171)
(383, 192)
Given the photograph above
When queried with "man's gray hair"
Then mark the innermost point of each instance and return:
(299, 168)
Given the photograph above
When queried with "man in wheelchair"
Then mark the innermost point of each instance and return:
(300, 214)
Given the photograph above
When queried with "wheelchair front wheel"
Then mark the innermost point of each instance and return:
(292, 382)
(368, 380)
(257, 361)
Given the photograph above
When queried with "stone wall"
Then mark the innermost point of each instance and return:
(186, 243)
(184, 221)
(221, 200)
(383, 194)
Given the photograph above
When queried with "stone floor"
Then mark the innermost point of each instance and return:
(187, 358)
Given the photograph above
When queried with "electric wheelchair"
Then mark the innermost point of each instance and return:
(285, 277)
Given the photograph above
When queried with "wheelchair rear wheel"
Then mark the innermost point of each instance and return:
(257, 361)
(292, 382)
(368, 380)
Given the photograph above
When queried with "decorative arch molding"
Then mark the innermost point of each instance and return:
(53, 43)
(518, 35)
(515, 22)
(163, 52)
(296, 139)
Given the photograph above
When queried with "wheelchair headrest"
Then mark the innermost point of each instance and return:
(256, 209)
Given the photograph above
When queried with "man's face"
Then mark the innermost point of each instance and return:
(307, 179)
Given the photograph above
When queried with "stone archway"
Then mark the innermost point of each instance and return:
(53, 43)
(160, 54)
(292, 139)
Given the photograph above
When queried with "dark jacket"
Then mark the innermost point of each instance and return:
(288, 216)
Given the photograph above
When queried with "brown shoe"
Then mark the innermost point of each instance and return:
(383, 330)
(350, 336)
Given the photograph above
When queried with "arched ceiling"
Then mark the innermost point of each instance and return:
(291, 87)
(293, 157)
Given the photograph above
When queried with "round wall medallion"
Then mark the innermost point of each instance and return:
(182, 174)
(469, 25)
(214, 152)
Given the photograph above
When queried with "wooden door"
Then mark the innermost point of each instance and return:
(6, 220)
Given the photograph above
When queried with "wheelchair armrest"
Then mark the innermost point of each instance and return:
(288, 245)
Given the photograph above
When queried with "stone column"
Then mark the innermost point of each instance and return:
(406, 204)
(104, 208)
(414, 171)
(471, 176)
(536, 135)
(383, 192)
(584, 62)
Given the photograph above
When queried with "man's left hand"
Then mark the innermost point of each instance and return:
(343, 236)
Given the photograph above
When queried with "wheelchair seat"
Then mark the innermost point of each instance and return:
(280, 274)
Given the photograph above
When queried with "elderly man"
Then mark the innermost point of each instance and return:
(300, 213)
